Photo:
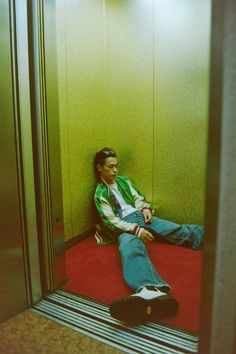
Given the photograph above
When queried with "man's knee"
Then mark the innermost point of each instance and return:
(128, 242)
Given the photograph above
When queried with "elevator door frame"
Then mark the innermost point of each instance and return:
(47, 163)
(15, 287)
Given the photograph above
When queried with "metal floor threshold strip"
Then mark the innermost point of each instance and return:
(93, 319)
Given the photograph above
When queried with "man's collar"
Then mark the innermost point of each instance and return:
(106, 184)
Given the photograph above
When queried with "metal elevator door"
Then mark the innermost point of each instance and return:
(13, 298)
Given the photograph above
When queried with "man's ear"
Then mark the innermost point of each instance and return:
(99, 167)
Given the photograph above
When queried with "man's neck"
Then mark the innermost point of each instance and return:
(106, 183)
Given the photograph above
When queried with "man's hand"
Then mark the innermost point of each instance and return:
(147, 215)
(146, 236)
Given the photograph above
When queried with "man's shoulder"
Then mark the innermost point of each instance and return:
(100, 189)
(122, 178)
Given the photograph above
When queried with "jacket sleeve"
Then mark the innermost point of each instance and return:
(140, 202)
(112, 221)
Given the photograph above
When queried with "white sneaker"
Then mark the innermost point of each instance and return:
(147, 293)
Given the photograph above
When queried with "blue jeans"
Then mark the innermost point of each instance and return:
(138, 269)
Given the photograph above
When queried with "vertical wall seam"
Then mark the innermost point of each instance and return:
(67, 114)
(104, 54)
(154, 99)
(104, 29)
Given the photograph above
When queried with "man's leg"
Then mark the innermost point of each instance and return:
(138, 269)
(187, 234)
(151, 299)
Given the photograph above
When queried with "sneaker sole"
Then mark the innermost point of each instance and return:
(135, 310)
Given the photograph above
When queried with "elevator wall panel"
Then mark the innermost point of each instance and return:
(133, 75)
(105, 63)
(182, 33)
(129, 88)
(81, 94)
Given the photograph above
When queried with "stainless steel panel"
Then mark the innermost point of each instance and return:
(21, 29)
(218, 333)
(13, 297)
(47, 143)
(54, 150)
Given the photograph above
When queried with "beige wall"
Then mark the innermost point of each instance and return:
(133, 75)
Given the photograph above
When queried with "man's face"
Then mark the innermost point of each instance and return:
(109, 170)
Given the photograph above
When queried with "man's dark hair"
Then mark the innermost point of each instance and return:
(100, 158)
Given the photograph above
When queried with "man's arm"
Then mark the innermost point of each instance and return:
(116, 224)
(112, 221)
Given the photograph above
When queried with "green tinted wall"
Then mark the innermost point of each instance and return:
(133, 75)
(181, 108)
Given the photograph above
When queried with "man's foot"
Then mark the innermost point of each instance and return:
(144, 306)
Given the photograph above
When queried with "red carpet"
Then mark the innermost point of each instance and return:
(95, 272)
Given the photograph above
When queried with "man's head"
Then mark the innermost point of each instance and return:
(106, 164)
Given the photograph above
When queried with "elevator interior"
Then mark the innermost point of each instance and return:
(43, 216)
(129, 75)
(134, 76)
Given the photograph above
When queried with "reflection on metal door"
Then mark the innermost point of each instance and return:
(43, 70)
(13, 296)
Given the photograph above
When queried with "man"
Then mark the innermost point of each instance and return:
(127, 219)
